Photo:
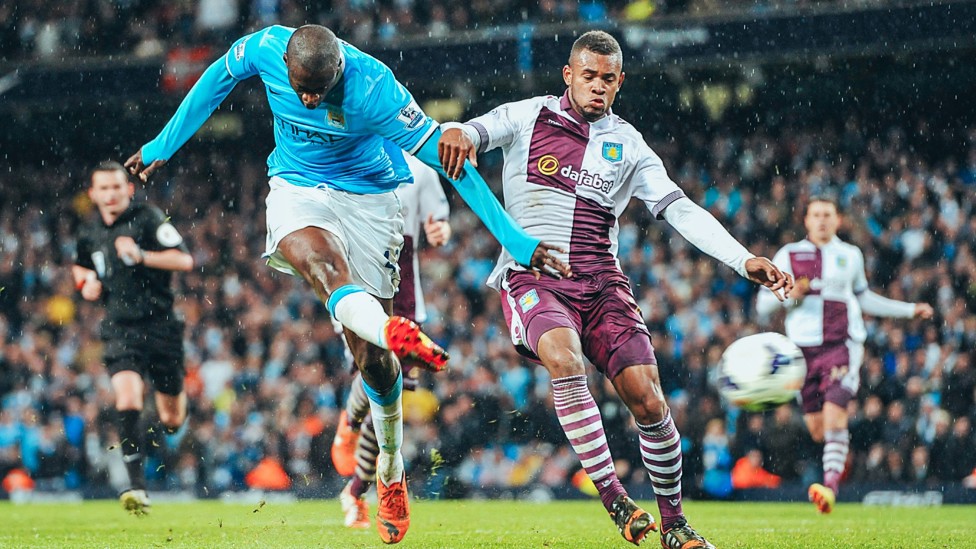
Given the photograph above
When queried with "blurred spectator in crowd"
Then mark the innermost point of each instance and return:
(748, 473)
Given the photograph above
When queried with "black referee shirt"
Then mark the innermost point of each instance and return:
(131, 293)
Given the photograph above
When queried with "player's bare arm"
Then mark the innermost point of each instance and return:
(136, 167)
(453, 148)
(763, 271)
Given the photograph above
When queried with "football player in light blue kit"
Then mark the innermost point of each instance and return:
(331, 213)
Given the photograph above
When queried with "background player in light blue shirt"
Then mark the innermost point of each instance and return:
(332, 217)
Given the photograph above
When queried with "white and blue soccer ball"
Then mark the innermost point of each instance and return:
(761, 371)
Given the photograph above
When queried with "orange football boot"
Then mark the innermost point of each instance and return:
(405, 339)
(393, 513)
(822, 497)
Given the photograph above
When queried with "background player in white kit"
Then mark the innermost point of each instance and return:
(824, 318)
(423, 205)
(571, 168)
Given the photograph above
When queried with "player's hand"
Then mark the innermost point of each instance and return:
(91, 290)
(136, 167)
(453, 148)
(801, 287)
(762, 271)
(437, 232)
(924, 310)
(128, 251)
(544, 262)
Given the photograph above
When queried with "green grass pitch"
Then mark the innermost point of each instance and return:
(445, 524)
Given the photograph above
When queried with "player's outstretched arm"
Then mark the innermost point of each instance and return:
(708, 235)
(205, 96)
(526, 250)
(878, 305)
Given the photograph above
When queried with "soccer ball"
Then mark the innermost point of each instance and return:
(761, 371)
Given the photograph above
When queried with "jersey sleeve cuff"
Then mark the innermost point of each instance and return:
(423, 140)
(482, 135)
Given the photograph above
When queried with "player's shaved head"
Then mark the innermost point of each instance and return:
(315, 49)
(314, 63)
(597, 42)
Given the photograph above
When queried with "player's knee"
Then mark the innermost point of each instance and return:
(328, 274)
(564, 363)
(648, 408)
(128, 401)
(639, 387)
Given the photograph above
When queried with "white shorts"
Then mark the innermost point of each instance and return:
(369, 226)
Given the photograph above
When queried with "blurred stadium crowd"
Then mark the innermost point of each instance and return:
(267, 373)
(46, 29)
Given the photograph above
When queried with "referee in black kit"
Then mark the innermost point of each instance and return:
(125, 257)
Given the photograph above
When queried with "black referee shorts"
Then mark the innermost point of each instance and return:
(154, 350)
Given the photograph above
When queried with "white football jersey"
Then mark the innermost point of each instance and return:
(566, 181)
(418, 200)
(830, 312)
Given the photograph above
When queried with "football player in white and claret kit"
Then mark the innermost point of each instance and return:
(423, 204)
(571, 167)
(824, 319)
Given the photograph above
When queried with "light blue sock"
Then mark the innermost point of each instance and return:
(173, 440)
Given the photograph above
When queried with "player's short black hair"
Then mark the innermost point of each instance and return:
(821, 198)
(597, 42)
(314, 48)
(109, 166)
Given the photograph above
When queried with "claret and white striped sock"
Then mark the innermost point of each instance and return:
(580, 418)
(660, 446)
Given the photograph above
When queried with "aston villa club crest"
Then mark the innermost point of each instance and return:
(614, 152)
(529, 300)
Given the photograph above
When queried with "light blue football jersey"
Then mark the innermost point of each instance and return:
(340, 143)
